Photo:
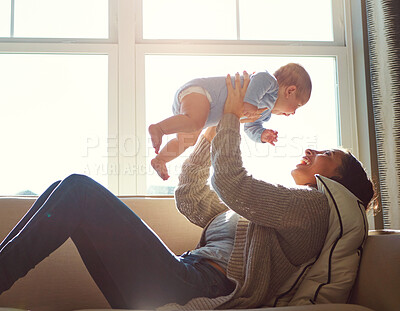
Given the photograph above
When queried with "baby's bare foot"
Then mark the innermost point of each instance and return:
(156, 135)
(160, 167)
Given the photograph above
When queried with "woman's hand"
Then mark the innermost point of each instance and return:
(210, 133)
(234, 101)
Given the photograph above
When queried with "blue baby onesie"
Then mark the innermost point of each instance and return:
(262, 93)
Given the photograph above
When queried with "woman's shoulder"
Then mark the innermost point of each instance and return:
(305, 190)
(311, 196)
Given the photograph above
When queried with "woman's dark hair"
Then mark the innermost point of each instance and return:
(352, 175)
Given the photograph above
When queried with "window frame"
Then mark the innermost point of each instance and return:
(81, 46)
(337, 18)
(340, 48)
(112, 29)
(126, 50)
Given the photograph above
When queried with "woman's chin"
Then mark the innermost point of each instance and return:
(294, 175)
(299, 176)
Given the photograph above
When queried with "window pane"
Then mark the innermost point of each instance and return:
(5, 17)
(306, 20)
(61, 19)
(189, 19)
(53, 119)
(313, 126)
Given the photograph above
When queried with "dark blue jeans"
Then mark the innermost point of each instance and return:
(129, 263)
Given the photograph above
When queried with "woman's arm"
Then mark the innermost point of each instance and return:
(258, 201)
(193, 196)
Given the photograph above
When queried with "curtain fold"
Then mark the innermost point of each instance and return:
(383, 23)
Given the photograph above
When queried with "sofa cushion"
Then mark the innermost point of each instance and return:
(327, 307)
(64, 282)
(330, 277)
(378, 282)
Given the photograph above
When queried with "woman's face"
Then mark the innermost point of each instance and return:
(325, 163)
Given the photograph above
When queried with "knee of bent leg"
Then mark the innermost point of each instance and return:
(76, 179)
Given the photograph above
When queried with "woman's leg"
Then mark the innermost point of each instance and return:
(131, 266)
(34, 208)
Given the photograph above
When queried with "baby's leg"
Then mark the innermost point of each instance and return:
(194, 112)
(172, 150)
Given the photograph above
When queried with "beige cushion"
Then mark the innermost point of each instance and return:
(163, 217)
(330, 307)
(61, 281)
(378, 282)
(330, 277)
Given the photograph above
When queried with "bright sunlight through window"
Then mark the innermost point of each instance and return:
(313, 126)
(307, 20)
(5, 13)
(61, 19)
(53, 116)
(189, 19)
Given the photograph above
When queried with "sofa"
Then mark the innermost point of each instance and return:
(61, 282)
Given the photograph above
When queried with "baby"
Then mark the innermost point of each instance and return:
(200, 103)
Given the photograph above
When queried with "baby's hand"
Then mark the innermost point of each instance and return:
(269, 136)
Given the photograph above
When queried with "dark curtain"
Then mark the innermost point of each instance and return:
(383, 24)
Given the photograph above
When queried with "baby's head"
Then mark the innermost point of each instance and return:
(294, 89)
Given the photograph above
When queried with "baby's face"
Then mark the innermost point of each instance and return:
(287, 105)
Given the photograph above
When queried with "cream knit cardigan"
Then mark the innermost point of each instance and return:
(280, 227)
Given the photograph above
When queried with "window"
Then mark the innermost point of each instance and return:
(193, 19)
(58, 111)
(54, 119)
(290, 20)
(5, 9)
(54, 19)
(313, 126)
(177, 45)
(107, 69)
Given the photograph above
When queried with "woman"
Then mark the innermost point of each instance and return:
(241, 261)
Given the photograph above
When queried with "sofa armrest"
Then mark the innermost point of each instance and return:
(378, 282)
